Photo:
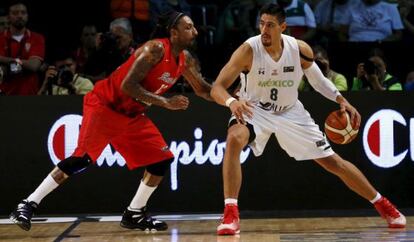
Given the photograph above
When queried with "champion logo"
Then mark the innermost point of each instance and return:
(63, 136)
(63, 140)
(378, 138)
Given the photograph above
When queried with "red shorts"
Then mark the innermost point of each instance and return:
(136, 139)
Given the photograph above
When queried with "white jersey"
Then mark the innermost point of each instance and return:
(272, 85)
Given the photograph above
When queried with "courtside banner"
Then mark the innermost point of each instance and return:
(37, 132)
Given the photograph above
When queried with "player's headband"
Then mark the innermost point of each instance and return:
(173, 19)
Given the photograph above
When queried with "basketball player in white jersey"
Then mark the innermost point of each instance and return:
(271, 66)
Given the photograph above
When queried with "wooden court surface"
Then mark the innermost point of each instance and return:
(287, 229)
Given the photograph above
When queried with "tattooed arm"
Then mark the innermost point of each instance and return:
(148, 56)
(194, 78)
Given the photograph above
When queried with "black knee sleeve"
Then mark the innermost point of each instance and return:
(159, 169)
(72, 165)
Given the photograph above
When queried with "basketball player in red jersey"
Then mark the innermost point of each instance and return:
(114, 113)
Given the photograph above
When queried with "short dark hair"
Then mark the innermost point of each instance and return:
(60, 54)
(275, 10)
(319, 49)
(17, 2)
(166, 22)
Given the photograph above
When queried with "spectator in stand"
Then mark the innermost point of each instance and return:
(322, 60)
(62, 79)
(329, 15)
(373, 20)
(158, 7)
(4, 21)
(300, 19)
(234, 25)
(122, 30)
(113, 48)
(21, 54)
(138, 12)
(409, 82)
(407, 17)
(372, 75)
(87, 46)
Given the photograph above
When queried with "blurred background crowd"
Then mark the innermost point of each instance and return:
(64, 47)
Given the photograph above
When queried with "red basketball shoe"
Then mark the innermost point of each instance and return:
(388, 211)
(230, 225)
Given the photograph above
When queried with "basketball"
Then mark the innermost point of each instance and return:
(338, 128)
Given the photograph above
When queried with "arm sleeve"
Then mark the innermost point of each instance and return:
(320, 83)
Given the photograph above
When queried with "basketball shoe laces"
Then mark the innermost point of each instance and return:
(25, 210)
(388, 209)
(148, 218)
(230, 214)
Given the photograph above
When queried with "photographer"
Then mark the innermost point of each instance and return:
(113, 48)
(62, 79)
(372, 75)
(322, 60)
(21, 54)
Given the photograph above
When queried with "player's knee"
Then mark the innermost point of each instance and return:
(236, 138)
(159, 169)
(73, 165)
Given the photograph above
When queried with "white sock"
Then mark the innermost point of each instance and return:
(47, 186)
(230, 201)
(376, 198)
(141, 197)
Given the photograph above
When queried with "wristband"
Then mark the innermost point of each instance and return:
(229, 101)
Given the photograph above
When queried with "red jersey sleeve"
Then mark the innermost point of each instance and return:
(38, 46)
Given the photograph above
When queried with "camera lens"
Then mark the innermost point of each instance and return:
(65, 75)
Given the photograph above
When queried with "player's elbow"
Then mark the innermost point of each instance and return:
(204, 94)
(125, 87)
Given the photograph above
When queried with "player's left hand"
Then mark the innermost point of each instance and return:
(240, 108)
(345, 106)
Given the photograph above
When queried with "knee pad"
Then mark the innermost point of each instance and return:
(159, 169)
(73, 165)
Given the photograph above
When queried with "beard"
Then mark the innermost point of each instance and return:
(266, 40)
(19, 24)
(190, 44)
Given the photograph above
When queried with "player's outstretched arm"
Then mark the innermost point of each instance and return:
(193, 76)
(147, 57)
(322, 84)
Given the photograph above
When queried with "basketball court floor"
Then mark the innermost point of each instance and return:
(189, 228)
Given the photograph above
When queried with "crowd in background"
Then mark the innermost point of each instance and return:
(31, 65)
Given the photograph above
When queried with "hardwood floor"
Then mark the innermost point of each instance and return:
(203, 230)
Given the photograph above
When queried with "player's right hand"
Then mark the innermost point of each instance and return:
(240, 107)
(177, 102)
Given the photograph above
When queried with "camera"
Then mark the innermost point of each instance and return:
(15, 67)
(109, 42)
(370, 67)
(64, 74)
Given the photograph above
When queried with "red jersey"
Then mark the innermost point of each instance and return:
(158, 80)
(32, 45)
